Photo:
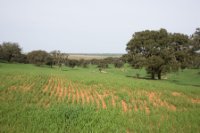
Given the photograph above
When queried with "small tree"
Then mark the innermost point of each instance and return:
(102, 65)
(83, 63)
(38, 57)
(71, 63)
(58, 57)
(9, 51)
(22, 58)
(118, 63)
(49, 61)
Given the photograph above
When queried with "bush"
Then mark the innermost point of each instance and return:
(83, 63)
(102, 65)
(72, 63)
(118, 63)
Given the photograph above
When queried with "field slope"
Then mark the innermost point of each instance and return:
(41, 99)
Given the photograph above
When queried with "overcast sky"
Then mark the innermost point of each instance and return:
(91, 26)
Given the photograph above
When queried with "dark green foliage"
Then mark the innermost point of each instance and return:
(183, 58)
(195, 49)
(154, 66)
(195, 41)
(196, 61)
(109, 60)
(72, 63)
(38, 57)
(58, 57)
(49, 61)
(102, 65)
(125, 58)
(137, 61)
(22, 58)
(83, 63)
(158, 51)
(118, 63)
(9, 51)
(94, 61)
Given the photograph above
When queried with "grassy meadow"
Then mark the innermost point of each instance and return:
(42, 99)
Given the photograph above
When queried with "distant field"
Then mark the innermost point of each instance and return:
(92, 56)
(41, 99)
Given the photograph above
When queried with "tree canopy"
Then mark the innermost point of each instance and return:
(58, 57)
(9, 51)
(38, 57)
(158, 51)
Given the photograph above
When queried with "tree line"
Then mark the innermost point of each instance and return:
(159, 52)
(12, 52)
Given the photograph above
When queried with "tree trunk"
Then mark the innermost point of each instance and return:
(152, 75)
(9, 58)
(159, 75)
(100, 69)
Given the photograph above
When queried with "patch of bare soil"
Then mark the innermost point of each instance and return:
(82, 97)
(28, 87)
(46, 103)
(65, 93)
(90, 94)
(68, 95)
(154, 98)
(47, 85)
(124, 106)
(96, 98)
(161, 120)
(113, 101)
(135, 108)
(57, 89)
(53, 88)
(87, 97)
(12, 88)
(195, 101)
(176, 94)
(77, 96)
(147, 110)
(101, 97)
(73, 96)
(138, 104)
(129, 131)
(61, 93)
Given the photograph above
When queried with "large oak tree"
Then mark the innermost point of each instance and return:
(158, 51)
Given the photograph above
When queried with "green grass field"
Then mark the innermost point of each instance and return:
(40, 99)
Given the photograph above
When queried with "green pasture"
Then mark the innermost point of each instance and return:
(168, 105)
